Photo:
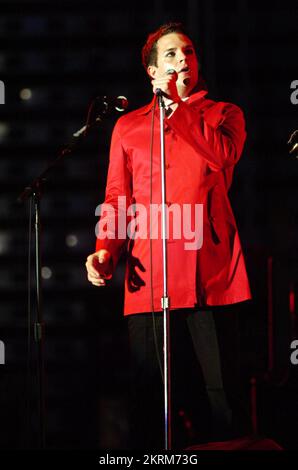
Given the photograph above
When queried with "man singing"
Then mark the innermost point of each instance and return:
(203, 142)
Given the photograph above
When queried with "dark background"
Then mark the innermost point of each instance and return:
(66, 53)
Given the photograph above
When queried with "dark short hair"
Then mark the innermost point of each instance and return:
(149, 51)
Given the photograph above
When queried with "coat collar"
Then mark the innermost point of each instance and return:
(192, 99)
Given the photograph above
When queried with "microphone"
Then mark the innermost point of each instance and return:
(101, 106)
(172, 72)
(111, 103)
(158, 91)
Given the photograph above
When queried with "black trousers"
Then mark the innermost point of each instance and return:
(207, 401)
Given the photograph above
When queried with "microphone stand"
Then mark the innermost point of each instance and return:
(34, 191)
(165, 298)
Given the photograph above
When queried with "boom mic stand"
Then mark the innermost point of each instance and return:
(34, 192)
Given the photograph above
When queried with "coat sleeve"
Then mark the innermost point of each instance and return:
(111, 229)
(218, 134)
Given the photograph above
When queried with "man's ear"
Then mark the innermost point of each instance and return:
(151, 70)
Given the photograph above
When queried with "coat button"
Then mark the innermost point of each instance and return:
(211, 218)
(167, 166)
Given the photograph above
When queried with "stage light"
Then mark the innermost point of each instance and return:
(71, 240)
(26, 94)
(46, 273)
(4, 130)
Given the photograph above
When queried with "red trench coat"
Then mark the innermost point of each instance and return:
(203, 141)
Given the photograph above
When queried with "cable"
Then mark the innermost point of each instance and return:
(151, 263)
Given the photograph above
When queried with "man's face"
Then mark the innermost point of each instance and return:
(176, 51)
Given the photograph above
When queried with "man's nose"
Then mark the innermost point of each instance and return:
(181, 57)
